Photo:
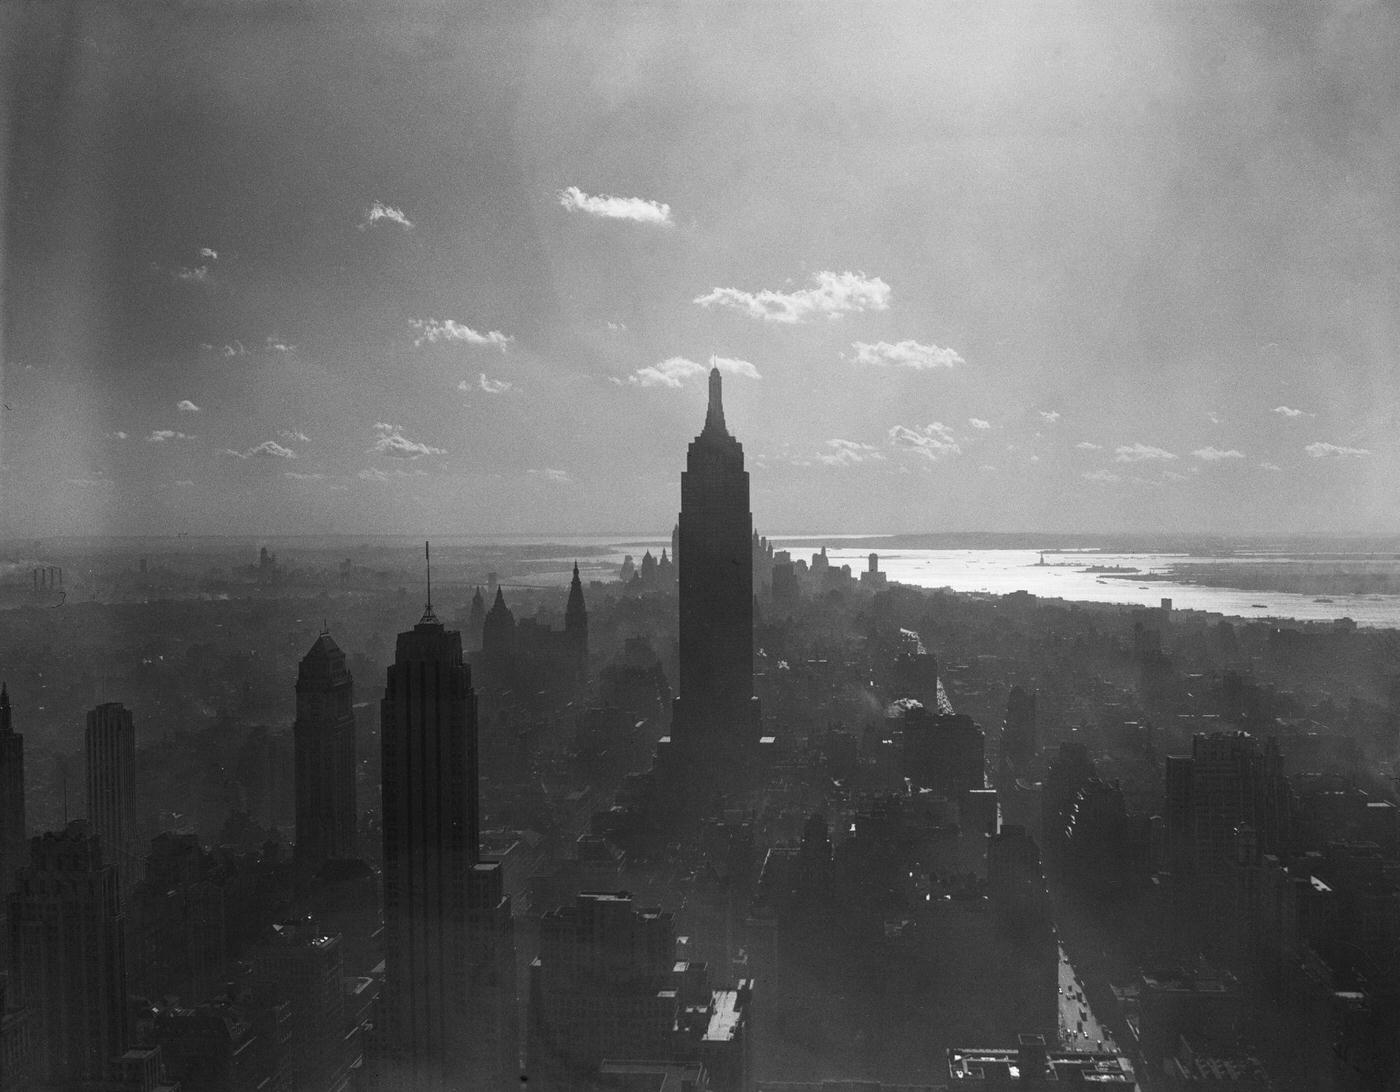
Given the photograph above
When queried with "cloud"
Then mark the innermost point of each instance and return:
(268, 449)
(931, 442)
(977, 422)
(1213, 417)
(1270, 466)
(832, 295)
(617, 327)
(209, 252)
(1334, 451)
(390, 440)
(1049, 416)
(1100, 476)
(490, 386)
(450, 330)
(1214, 454)
(118, 435)
(1085, 445)
(234, 349)
(732, 366)
(904, 354)
(1287, 411)
(380, 211)
(607, 207)
(293, 436)
(277, 345)
(848, 453)
(295, 476)
(1136, 453)
(550, 474)
(198, 275)
(374, 474)
(671, 372)
(165, 435)
(186, 406)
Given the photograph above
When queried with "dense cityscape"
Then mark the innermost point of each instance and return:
(725, 820)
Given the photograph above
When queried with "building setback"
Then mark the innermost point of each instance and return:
(324, 746)
(447, 1015)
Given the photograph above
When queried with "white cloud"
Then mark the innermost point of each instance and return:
(1270, 466)
(198, 275)
(848, 453)
(293, 436)
(931, 442)
(671, 372)
(977, 422)
(390, 440)
(1136, 453)
(209, 252)
(490, 386)
(1085, 445)
(1100, 476)
(295, 476)
(268, 449)
(186, 406)
(617, 327)
(1213, 417)
(1049, 416)
(731, 366)
(373, 474)
(380, 211)
(550, 474)
(165, 435)
(1321, 450)
(607, 207)
(1213, 454)
(118, 435)
(432, 330)
(235, 349)
(277, 345)
(904, 354)
(1287, 411)
(833, 294)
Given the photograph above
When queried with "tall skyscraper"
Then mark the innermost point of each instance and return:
(111, 787)
(715, 709)
(324, 743)
(66, 936)
(576, 625)
(448, 1006)
(13, 842)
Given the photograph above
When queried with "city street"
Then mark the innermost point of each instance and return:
(1079, 1028)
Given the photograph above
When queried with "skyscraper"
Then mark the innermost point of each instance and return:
(715, 711)
(111, 787)
(324, 743)
(13, 843)
(576, 625)
(448, 1006)
(66, 931)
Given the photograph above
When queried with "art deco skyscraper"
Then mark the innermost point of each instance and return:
(111, 787)
(576, 625)
(448, 1006)
(324, 742)
(13, 842)
(66, 931)
(715, 708)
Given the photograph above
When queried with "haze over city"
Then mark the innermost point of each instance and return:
(373, 268)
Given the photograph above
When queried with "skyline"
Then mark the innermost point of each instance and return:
(399, 272)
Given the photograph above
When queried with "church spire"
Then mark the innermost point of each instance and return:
(714, 416)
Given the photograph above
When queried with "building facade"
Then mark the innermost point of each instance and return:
(324, 746)
(13, 838)
(110, 743)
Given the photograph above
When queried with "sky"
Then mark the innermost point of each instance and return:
(276, 268)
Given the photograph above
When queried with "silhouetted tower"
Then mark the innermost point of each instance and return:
(323, 738)
(714, 709)
(13, 841)
(498, 629)
(448, 1006)
(576, 624)
(111, 787)
(476, 619)
(66, 940)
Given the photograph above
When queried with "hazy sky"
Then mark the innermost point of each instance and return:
(422, 268)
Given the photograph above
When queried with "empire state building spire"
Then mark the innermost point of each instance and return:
(714, 416)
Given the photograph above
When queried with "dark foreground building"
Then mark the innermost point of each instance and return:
(447, 1014)
(324, 741)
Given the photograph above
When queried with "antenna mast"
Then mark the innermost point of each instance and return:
(428, 562)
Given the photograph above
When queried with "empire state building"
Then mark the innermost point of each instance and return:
(715, 715)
